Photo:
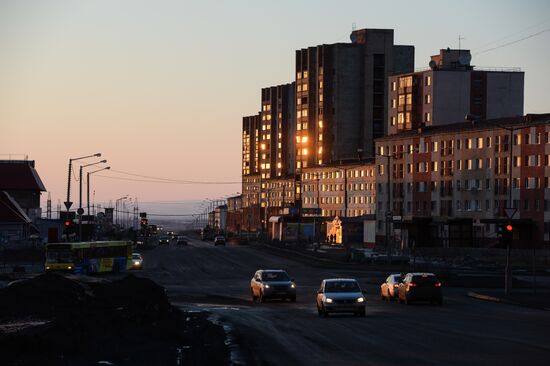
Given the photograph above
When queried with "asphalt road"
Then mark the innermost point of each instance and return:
(463, 331)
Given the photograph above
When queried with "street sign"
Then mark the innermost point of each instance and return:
(80, 211)
(510, 212)
(68, 204)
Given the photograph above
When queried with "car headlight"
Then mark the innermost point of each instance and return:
(328, 300)
(69, 267)
(292, 285)
(136, 263)
(360, 299)
(266, 285)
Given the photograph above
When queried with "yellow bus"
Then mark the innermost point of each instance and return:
(89, 257)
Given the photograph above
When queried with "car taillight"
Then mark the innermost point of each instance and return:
(412, 284)
(438, 284)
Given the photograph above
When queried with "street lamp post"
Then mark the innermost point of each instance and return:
(68, 203)
(388, 214)
(117, 217)
(80, 209)
(88, 187)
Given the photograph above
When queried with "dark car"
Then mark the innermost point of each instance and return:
(219, 240)
(164, 240)
(182, 240)
(420, 287)
(273, 284)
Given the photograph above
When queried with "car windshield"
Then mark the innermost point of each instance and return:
(424, 279)
(136, 256)
(342, 286)
(59, 256)
(275, 276)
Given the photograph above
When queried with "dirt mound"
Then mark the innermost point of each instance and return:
(126, 322)
(43, 296)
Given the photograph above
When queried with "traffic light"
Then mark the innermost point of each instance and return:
(67, 224)
(509, 228)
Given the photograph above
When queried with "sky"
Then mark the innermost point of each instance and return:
(160, 87)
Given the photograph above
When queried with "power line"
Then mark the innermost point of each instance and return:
(174, 180)
(513, 42)
(164, 182)
(513, 34)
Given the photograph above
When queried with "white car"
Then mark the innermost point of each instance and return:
(137, 261)
(340, 295)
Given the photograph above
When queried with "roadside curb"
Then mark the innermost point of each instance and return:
(298, 253)
(482, 297)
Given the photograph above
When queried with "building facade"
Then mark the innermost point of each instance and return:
(444, 180)
(347, 190)
(341, 94)
(451, 89)
(251, 144)
(277, 131)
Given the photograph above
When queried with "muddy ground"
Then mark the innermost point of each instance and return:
(54, 319)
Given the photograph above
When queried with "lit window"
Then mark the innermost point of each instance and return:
(304, 151)
(428, 80)
(304, 139)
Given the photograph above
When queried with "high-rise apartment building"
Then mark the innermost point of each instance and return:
(277, 131)
(450, 89)
(251, 144)
(341, 94)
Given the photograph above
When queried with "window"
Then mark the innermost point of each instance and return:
(480, 142)
(393, 85)
(394, 103)
(427, 99)
(428, 117)
(428, 80)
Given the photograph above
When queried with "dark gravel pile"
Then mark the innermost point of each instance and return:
(125, 322)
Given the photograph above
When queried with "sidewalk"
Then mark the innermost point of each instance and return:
(519, 297)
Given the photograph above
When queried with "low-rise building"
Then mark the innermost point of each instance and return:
(21, 181)
(345, 190)
(449, 185)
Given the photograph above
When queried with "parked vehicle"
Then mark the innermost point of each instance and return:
(219, 240)
(340, 295)
(137, 261)
(272, 283)
(420, 287)
(390, 288)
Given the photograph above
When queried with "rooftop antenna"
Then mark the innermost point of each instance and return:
(460, 38)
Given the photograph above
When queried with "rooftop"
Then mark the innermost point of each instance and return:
(19, 175)
(476, 125)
